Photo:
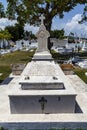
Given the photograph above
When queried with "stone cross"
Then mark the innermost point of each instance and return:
(42, 101)
(42, 37)
(42, 19)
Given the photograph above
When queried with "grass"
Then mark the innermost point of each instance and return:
(5, 70)
(78, 71)
(81, 74)
(58, 56)
(12, 58)
(24, 57)
(16, 57)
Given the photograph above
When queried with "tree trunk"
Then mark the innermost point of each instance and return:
(48, 23)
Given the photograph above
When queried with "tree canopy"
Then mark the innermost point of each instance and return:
(2, 12)
(84, 16)
(16, 31)
(30, 10)
(57, 34)
(4, 34)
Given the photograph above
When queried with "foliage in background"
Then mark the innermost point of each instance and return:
(29, 35)
(4, 34)
(28, 11)
(59, 34)
(2, 13)
(71, 38)
(84, 16)
(16, 31)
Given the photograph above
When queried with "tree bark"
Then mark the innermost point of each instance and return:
(48, 23)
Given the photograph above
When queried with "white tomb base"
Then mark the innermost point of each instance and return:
(42, 80)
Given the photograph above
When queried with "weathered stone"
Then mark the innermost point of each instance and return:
(17, 69)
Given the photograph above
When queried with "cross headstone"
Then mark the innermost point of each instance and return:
(42, 19)
(42, 101)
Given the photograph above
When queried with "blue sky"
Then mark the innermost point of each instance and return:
(69, 22)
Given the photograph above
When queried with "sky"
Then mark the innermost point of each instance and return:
(69, 23)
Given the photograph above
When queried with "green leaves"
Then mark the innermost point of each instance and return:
(84, 16)
(16, 31)
(4, 34)
(57, 34)
(2, 13)
(30, 10)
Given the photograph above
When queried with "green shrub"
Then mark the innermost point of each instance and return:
(1, 128)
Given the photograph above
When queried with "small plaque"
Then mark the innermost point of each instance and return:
(42, 86)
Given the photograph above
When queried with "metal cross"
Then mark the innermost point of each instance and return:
(42, 19)
(42, 102)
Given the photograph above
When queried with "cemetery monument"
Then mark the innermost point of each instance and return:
(43, 88)
(42, 96)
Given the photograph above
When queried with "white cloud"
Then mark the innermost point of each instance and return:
(5, 22)
(32, 28)
(74, 26)
(70, 26)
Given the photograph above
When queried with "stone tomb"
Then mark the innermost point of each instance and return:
(43, 87)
